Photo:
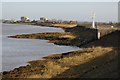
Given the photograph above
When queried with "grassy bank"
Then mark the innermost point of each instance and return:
(98, 60)
(77, 36)
(77, 64)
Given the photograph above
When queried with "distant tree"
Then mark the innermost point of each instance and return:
(110, 23)
(33, 21)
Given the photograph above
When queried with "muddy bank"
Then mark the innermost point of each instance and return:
(75, 65)
(77, 36)
(61, 25)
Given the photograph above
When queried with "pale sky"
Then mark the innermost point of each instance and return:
(81, 11)
(119, 12)
(60, 0)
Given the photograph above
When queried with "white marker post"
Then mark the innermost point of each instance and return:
(93, 22)
(112, 26)
(98, 35)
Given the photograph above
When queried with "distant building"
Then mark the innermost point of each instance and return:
(25, 19)
(43, 19)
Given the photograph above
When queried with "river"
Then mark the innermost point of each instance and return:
(17, 52)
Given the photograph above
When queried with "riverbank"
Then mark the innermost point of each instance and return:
(77, 36)
(79, 64)
(98, 60)
(17, 52)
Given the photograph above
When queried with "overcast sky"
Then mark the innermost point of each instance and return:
(80, 11)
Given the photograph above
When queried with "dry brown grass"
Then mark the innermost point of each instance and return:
(74, 66)
(55, 68)
(85, 57)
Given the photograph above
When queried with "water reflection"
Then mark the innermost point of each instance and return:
(16, 52)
